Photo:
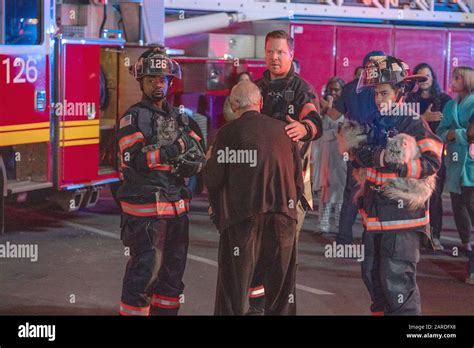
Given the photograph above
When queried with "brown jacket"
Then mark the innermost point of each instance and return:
(254, 168)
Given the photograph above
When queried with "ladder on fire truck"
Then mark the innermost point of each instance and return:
(414, 11)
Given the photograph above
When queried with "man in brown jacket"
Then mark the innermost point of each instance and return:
(254, 180)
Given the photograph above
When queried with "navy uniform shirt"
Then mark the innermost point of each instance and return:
(359, 107)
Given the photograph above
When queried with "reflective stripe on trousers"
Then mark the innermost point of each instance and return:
(164, 301)
(257, 292)
(128, 310)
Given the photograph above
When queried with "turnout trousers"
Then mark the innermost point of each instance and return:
(158, 248)
(389, 271)
(270, 239)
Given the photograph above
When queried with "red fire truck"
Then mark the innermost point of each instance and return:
(64, 79)
(64, 83)
(56, 134)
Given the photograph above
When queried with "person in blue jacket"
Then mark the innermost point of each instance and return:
(470, 139)
(453, 130)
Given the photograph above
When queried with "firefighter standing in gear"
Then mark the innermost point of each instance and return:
(157, 151)
(392, 231)
(288, 98)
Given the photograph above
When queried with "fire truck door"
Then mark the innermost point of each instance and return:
(77, 112)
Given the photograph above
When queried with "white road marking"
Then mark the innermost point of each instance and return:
(312, 290)
(190, 256)
(91, 229)
(214, 263)
(433, 276)
(443, 257)
(450, 239)
(202, 259)
(195, 215)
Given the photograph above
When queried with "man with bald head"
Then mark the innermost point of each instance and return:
(254, 179)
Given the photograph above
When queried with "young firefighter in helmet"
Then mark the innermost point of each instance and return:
(157, 151)
(393, 227)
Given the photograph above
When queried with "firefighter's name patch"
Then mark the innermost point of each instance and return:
(126, 121)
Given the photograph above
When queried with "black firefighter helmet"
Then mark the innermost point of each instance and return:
(155, 62)
(391, 70)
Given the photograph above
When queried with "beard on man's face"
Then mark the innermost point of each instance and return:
(157, 94)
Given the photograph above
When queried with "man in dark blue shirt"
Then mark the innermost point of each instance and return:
(362, 109)
(356, 107)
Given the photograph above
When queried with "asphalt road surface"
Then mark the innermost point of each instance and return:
(81, 261)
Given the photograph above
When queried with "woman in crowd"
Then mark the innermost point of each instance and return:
(432, 101)
(459, 161)
(330, 169)
(228, 113)
(470, 139)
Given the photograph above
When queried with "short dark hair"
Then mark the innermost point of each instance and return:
(244, 73)
(281, 34)
(237, 78)
(357, 69)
